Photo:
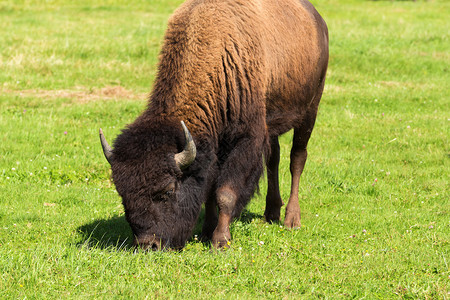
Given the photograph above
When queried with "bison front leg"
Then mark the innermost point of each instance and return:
(226, 200)
(238, 179)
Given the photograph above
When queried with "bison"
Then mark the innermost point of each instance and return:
(232, 76)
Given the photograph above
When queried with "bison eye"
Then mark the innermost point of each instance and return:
(166, 194)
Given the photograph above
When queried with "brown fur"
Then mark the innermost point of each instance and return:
(238, 73)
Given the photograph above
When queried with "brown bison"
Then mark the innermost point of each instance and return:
(233, 76)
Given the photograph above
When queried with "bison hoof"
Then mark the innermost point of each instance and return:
(220, 245)
(207, 233)
(292, 220)
(272, 216)
(273, 207)
(221, 240)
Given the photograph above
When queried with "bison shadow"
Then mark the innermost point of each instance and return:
(115, 233)
(246, 217)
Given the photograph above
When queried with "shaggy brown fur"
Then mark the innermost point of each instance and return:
(239, 73)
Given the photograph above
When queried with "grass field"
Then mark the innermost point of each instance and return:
(374, 194)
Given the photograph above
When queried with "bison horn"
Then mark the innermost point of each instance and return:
(106, 148)
(187, 156)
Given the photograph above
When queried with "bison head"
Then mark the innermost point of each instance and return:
(147, 168)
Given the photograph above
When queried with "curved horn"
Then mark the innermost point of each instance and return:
(187, 156)
(106, 148)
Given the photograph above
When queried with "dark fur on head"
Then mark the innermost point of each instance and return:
(156, 194)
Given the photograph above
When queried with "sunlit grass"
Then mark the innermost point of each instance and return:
(374, 194)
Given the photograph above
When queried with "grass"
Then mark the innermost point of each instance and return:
(374, 194)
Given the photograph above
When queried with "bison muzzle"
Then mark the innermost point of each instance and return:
(233, 75)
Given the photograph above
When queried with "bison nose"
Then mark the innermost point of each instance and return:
(155, 246)
(148, 243)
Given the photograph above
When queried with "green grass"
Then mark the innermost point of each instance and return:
(374, 194)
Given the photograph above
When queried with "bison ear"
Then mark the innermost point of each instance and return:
(106, 148)
(187, 156)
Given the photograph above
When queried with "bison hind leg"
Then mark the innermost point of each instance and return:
(273, 198)
(298, 160)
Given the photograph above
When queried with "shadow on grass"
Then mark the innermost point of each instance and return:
(246, 217)
(114, 233)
